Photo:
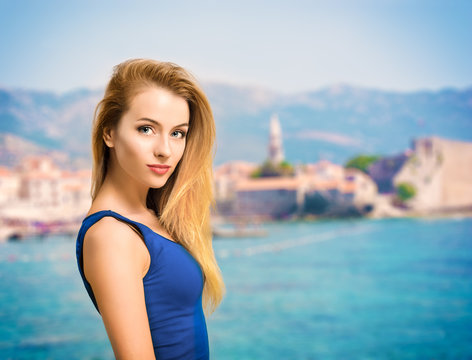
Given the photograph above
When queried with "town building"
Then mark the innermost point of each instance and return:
(441, 172)
(226, 178)
(9, 186)
(270, 197)
(37, 192)
(322, 188)
(333, 190)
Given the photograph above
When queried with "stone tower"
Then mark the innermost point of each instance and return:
(276, 153)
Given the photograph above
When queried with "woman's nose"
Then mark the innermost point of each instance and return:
(162, 147)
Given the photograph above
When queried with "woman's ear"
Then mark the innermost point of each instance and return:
(108, 137)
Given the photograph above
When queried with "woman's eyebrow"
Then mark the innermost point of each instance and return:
(157, 122)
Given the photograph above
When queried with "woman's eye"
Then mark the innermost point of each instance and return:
(145, 130)
(178, 134)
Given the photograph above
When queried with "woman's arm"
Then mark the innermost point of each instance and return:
(114, 263)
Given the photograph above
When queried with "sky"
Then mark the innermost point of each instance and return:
(285, 46)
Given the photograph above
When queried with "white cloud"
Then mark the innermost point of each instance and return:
(331, 137)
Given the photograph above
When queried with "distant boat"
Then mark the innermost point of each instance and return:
(15, 237)
(11, 233)
(238, 231)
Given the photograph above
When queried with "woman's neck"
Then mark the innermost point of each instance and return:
(115, 195)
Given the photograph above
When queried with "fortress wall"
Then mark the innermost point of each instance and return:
(456, 172)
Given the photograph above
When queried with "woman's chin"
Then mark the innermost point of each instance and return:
(158, 185)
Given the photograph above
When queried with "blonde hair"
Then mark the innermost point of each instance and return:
(183, 203)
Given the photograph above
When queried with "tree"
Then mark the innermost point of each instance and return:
(362, 162)
(268, 169)
(286, 169)
(406, 191)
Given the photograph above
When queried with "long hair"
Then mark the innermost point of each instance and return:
(183, 203)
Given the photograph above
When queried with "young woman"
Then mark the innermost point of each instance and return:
(144, 250)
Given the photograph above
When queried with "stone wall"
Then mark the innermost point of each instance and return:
(456, 173)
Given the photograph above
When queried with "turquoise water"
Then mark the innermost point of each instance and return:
(359, 289)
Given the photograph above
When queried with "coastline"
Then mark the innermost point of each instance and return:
(20, 229)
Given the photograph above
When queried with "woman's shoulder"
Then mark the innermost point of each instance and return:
(110, 231)
(101, 218)
(105, 227)
(111, 241)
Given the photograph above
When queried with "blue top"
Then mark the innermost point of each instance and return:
(173, 292)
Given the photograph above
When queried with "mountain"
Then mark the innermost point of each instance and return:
(338, 122)
(13, 149)
(52, 121)
(333, 123)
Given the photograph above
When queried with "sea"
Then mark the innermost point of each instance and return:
(331, 289)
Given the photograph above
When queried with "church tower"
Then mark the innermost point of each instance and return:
(276, 153)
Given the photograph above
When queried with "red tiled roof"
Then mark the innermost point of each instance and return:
(270, 183)
(348, 187)
(4, 171)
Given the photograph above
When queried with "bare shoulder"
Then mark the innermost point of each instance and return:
(110, 243)
(110, 227)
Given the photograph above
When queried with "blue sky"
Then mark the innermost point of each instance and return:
(286, 46)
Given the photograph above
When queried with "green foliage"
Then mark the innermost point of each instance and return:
(256, 173)
(268, 169)
(406, 191)
(362, 162)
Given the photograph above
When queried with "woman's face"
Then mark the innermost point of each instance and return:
(149, 140)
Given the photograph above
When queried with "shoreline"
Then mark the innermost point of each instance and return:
(25, 230)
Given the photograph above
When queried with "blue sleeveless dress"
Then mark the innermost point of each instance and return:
(173, 293)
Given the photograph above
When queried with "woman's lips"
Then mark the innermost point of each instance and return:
(159, 169)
